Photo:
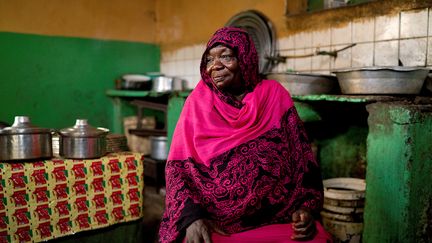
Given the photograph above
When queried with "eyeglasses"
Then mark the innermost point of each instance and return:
(224, 59)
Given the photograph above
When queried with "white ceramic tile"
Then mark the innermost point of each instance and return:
(192, 84)
(363, 30)
(169, 68)
(196, 66)
(286, 43)
(281, 67)
(189, 52)
(168, 56)
(288, 65)
(412, 52)
(189, 68)
(164, 67)
(429, 51)
(289, 62)
(341, 35)
(303, 40)
(180, 54)
(387, 27)
(430, 22)
(343, 59)
(303, 64)
(321, 38)
(414, 23)
(362, 55)
(386, 53)
(198, 50)
(321, 62)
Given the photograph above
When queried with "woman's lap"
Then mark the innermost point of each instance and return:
(275, 233)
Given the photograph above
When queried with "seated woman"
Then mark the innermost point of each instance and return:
(240, 168)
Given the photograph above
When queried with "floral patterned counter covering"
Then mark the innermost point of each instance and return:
(53, 198)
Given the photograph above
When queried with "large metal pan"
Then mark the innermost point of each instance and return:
(381, 80)
(306, 83)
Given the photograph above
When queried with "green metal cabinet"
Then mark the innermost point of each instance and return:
(399, 173)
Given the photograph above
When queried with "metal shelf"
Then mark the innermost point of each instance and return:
(355, 98)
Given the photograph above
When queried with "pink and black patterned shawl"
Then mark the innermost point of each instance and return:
(242, 164)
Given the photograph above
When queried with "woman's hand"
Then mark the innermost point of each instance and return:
(200, 231)
(303, 225)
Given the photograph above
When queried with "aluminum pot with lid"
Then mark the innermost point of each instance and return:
(82, 141)
(23, 141)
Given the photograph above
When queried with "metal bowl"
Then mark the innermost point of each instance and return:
(306, 83)
(382, 80)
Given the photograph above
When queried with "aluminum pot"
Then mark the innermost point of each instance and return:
(168, 84)
(159, 147)
(82, 141)
(135, 82)
(24, 141)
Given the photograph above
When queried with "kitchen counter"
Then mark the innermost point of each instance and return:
(43, 200)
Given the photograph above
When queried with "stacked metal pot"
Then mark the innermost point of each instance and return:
(24, 141)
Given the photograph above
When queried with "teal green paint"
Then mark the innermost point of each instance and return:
(339, 98)
(175, 106)
(55, 80)
(399, 186)
(306, 112)
(344, 154)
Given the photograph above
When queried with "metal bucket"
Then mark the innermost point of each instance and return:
(159, 148)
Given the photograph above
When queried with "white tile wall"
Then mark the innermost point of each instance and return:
(414, 23)
(363, 30)
(387, 53)
(387, 27)
(343, 59)
(321, 38)
(413, 52)
(363, 54)
(303, 64)
(286, 43)
(429, 52)
(321, 62)
(303, 40)
(341, 35)
(430, 22)
(380, 41)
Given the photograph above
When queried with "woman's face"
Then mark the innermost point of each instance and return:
(224, 70)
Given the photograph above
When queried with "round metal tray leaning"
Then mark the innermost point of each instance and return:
(261, 31)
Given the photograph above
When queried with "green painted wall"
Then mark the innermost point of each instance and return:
(399, 174)
(55, 80)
